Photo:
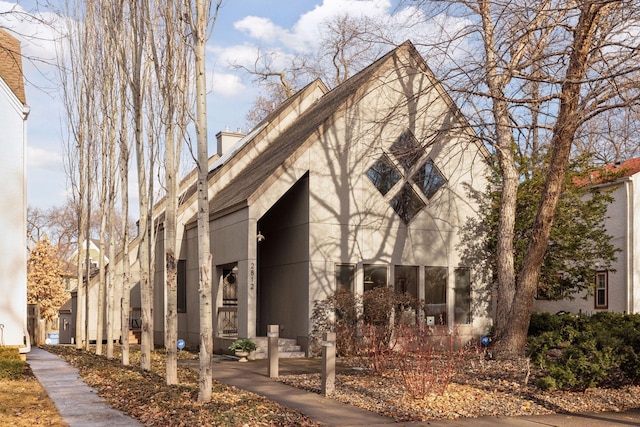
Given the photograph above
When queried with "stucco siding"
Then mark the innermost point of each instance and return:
(13, 208)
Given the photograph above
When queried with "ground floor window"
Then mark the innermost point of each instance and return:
(435, 295)
(345, 276)
(406, 280)
(602, 289)
(374, 276)
(462, 304)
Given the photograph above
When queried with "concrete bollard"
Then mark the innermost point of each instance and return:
(273, 335)
(328, 363)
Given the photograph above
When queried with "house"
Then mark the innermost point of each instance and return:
(364, 185)
(66, 319)
(618, 289)
(13, 207)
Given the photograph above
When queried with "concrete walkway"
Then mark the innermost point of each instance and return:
(79, 404)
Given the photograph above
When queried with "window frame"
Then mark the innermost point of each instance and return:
(604, 274)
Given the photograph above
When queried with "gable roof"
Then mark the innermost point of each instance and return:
(611, 172)
(11, 65)
(284, 147)
(627, 168)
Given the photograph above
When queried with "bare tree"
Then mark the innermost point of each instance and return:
(200, 22)
(170, 54)
(347, 44)
(570, 61)
(77, 93)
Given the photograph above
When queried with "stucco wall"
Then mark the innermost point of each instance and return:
(620, 223)
(13, 214)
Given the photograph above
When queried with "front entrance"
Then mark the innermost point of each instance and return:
(228, 313)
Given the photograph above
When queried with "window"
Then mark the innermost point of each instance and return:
(462, 306)
(383, 175)
(407, 204)
(406, 280)
(405, 161)
(345, 277)
(602, 289)
(407, 150)
(429, 179)
(435, 295)
(182, 285)
(374, 276)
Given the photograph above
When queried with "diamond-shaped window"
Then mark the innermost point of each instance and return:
(407, 150)
(383, 175)
(407, 204)
(429, 179)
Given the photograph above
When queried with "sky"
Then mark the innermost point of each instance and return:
(242, 26)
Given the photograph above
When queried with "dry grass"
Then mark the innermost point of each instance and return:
(23, 402)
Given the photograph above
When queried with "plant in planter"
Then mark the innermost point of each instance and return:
(242, 347)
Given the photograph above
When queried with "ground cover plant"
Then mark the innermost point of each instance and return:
(23, 401)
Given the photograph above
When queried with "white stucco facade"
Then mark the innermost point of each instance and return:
(622, 293)
(13, 213)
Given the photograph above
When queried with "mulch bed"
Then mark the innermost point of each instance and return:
(477, 388)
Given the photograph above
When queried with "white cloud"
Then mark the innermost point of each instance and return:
(260, 28)
(37, 31)
(225, 84)
(39, 158)
(243, 54)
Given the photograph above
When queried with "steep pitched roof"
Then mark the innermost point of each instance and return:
(284, 147)
(11, 65)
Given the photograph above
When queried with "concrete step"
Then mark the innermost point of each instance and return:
(287, 348)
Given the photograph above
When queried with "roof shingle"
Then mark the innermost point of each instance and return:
(11, 65)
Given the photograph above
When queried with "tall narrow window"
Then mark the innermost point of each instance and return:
(182, 285)
(602, 289)
(345, 277)
(462, 305)
(374, 276)
(435, 295)
(406, 280)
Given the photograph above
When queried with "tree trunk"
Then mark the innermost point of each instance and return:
(514, 340)
(204, 254)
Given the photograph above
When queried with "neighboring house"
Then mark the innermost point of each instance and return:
(618, 289)
(13, 207)
(67, 320)
(364, 185)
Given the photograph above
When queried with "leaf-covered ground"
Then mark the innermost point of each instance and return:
(145, 396)
(477, 388)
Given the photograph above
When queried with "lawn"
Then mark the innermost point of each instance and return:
(23, 402)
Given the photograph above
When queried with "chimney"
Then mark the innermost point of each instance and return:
(225, 140)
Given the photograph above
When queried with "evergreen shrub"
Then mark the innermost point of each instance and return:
(576, 352)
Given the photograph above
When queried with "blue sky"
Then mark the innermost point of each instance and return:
(242, 26)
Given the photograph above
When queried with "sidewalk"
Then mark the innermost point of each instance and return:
(80, 406)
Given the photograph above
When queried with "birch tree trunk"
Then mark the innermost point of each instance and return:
(199, 27)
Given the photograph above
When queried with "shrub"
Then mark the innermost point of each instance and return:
(243, 344)
(11, 365)
(427, 358)
(579, 352)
